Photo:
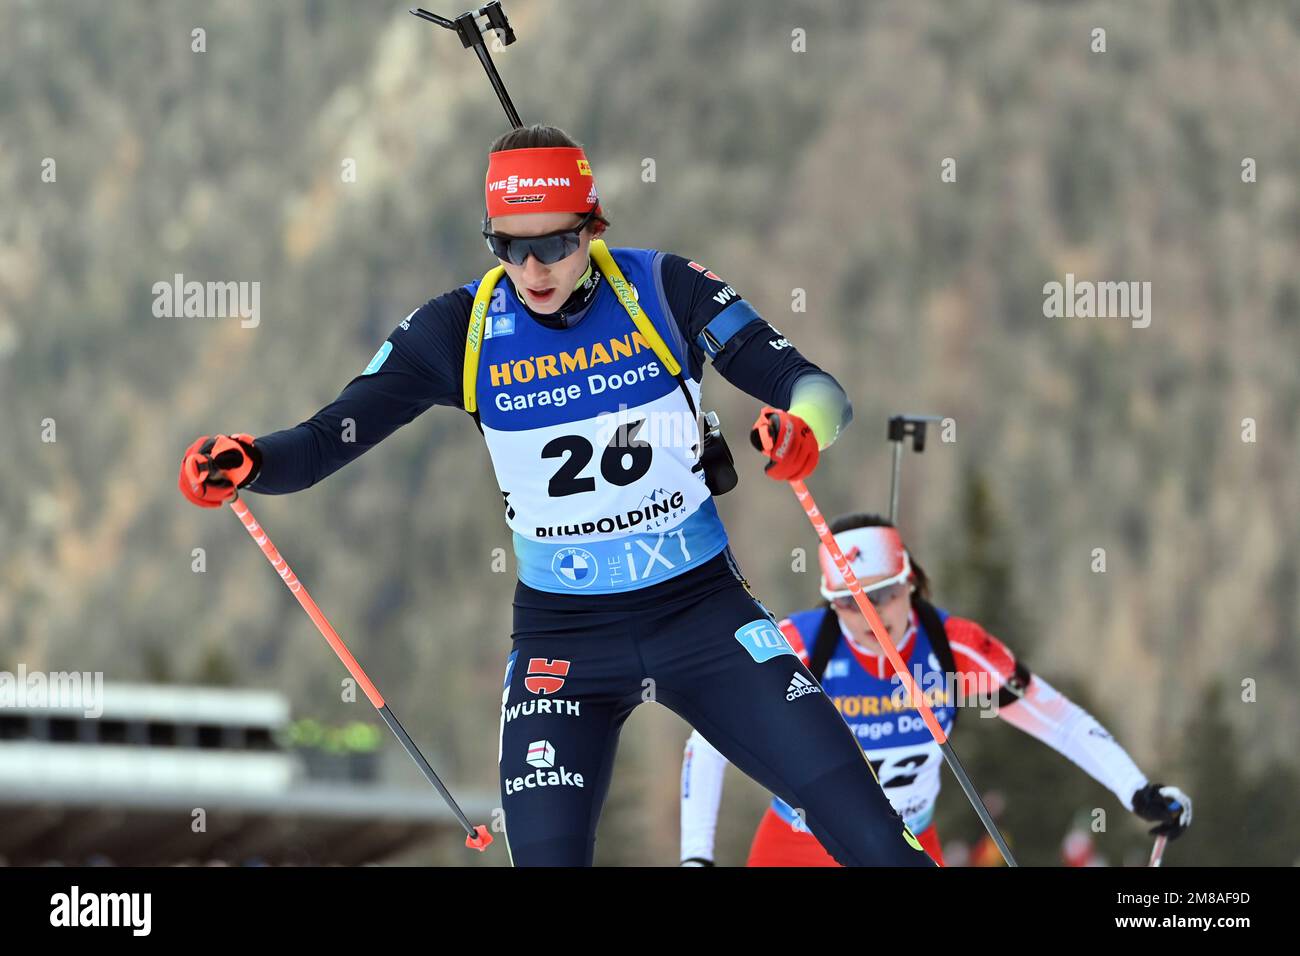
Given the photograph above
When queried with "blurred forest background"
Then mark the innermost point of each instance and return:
(778, 169)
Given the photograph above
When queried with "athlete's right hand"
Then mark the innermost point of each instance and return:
(1167, 806)
(214, 466)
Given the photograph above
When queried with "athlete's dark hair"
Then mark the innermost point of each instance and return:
(866, 519)
(538, 136)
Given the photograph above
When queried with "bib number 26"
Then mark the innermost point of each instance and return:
(624, 460)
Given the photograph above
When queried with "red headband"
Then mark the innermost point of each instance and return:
(540, 179)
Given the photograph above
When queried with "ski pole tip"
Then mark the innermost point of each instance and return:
(480, 839)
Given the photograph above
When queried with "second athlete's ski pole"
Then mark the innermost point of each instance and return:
(900, 667)
(1158, 851)
(477, 837)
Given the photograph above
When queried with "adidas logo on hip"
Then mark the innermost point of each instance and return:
(800, 685)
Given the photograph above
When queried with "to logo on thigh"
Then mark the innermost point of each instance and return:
(763, 640)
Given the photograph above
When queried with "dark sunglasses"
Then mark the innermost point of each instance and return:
(877, 598)
(548, 248)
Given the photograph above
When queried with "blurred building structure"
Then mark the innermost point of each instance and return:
(171, 774)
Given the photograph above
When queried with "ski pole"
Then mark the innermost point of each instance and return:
(1158, 851)
(477, 838)
(900, 426)
(900, 668)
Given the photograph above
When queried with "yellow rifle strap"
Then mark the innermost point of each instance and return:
(622, 288)
(474, 337)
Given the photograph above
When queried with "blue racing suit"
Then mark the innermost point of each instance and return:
(627, 589)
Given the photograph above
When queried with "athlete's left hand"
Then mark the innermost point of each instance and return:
(788, 441)
(1167, 806)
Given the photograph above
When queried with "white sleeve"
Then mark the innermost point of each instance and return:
(1048, 715)
(703, 769)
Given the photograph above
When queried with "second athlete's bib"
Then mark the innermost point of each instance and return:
(891, 733)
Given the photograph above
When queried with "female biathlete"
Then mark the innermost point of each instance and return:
(835, 640)
(581, 366)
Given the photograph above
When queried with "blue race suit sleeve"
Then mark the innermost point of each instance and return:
(756, 358)
(420, 365)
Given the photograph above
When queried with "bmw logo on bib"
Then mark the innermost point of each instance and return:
(575, 567)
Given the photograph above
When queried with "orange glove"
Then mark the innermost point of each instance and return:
(213, 467)
(788, 441)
